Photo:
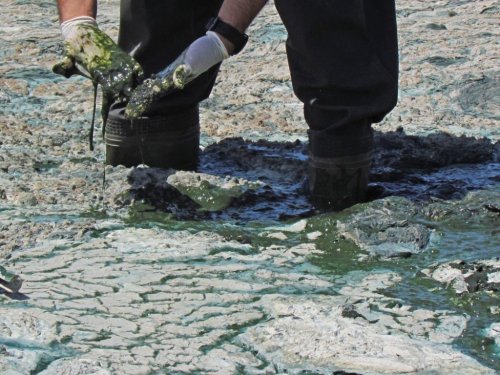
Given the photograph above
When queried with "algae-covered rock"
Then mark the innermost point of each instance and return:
(386, 228)
(212, 193)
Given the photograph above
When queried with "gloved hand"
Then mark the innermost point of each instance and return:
(200, 56)
(90, 52)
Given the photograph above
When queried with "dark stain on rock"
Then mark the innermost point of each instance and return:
(482, 98)
(436, 26)
(478, 280)
(445, 61)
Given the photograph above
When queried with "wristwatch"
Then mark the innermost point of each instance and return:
(237, 38)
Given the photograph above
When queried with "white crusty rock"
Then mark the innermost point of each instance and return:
(466, 277)
(348, 333)
(76, 367)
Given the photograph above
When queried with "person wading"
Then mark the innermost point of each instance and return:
(343, 59)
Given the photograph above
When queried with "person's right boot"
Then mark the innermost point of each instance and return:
(164, 142)
(339, 167)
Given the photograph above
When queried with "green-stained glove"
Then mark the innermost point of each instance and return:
(201, 55)
(90, 52)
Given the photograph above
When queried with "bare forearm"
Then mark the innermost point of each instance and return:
(73, 8)
(240, 13)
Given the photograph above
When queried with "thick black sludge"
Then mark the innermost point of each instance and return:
(230, 270)
(421, 169)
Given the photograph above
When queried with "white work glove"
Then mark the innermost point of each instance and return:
(69, 28)
(200, 56)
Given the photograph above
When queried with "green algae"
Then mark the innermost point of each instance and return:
(212, 197)
(463, 232)
(156, 87)
(93, 54)
(340, 260)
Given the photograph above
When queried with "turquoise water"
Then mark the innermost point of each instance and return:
(465, 232)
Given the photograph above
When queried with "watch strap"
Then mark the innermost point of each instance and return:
(237, 38)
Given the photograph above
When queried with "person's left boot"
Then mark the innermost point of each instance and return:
(338, 183)
(339, 168)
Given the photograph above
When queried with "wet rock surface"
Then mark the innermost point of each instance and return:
(463, 278)
(360, 331)
(384, 228)
(230, 269)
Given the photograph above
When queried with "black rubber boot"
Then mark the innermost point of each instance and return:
(339, 169)
(162, 142)
(338, 183)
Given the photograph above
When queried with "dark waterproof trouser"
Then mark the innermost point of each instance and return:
(155, 32)
(342, 54)
(343, 58)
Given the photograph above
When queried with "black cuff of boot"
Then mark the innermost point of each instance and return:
(348, 140)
